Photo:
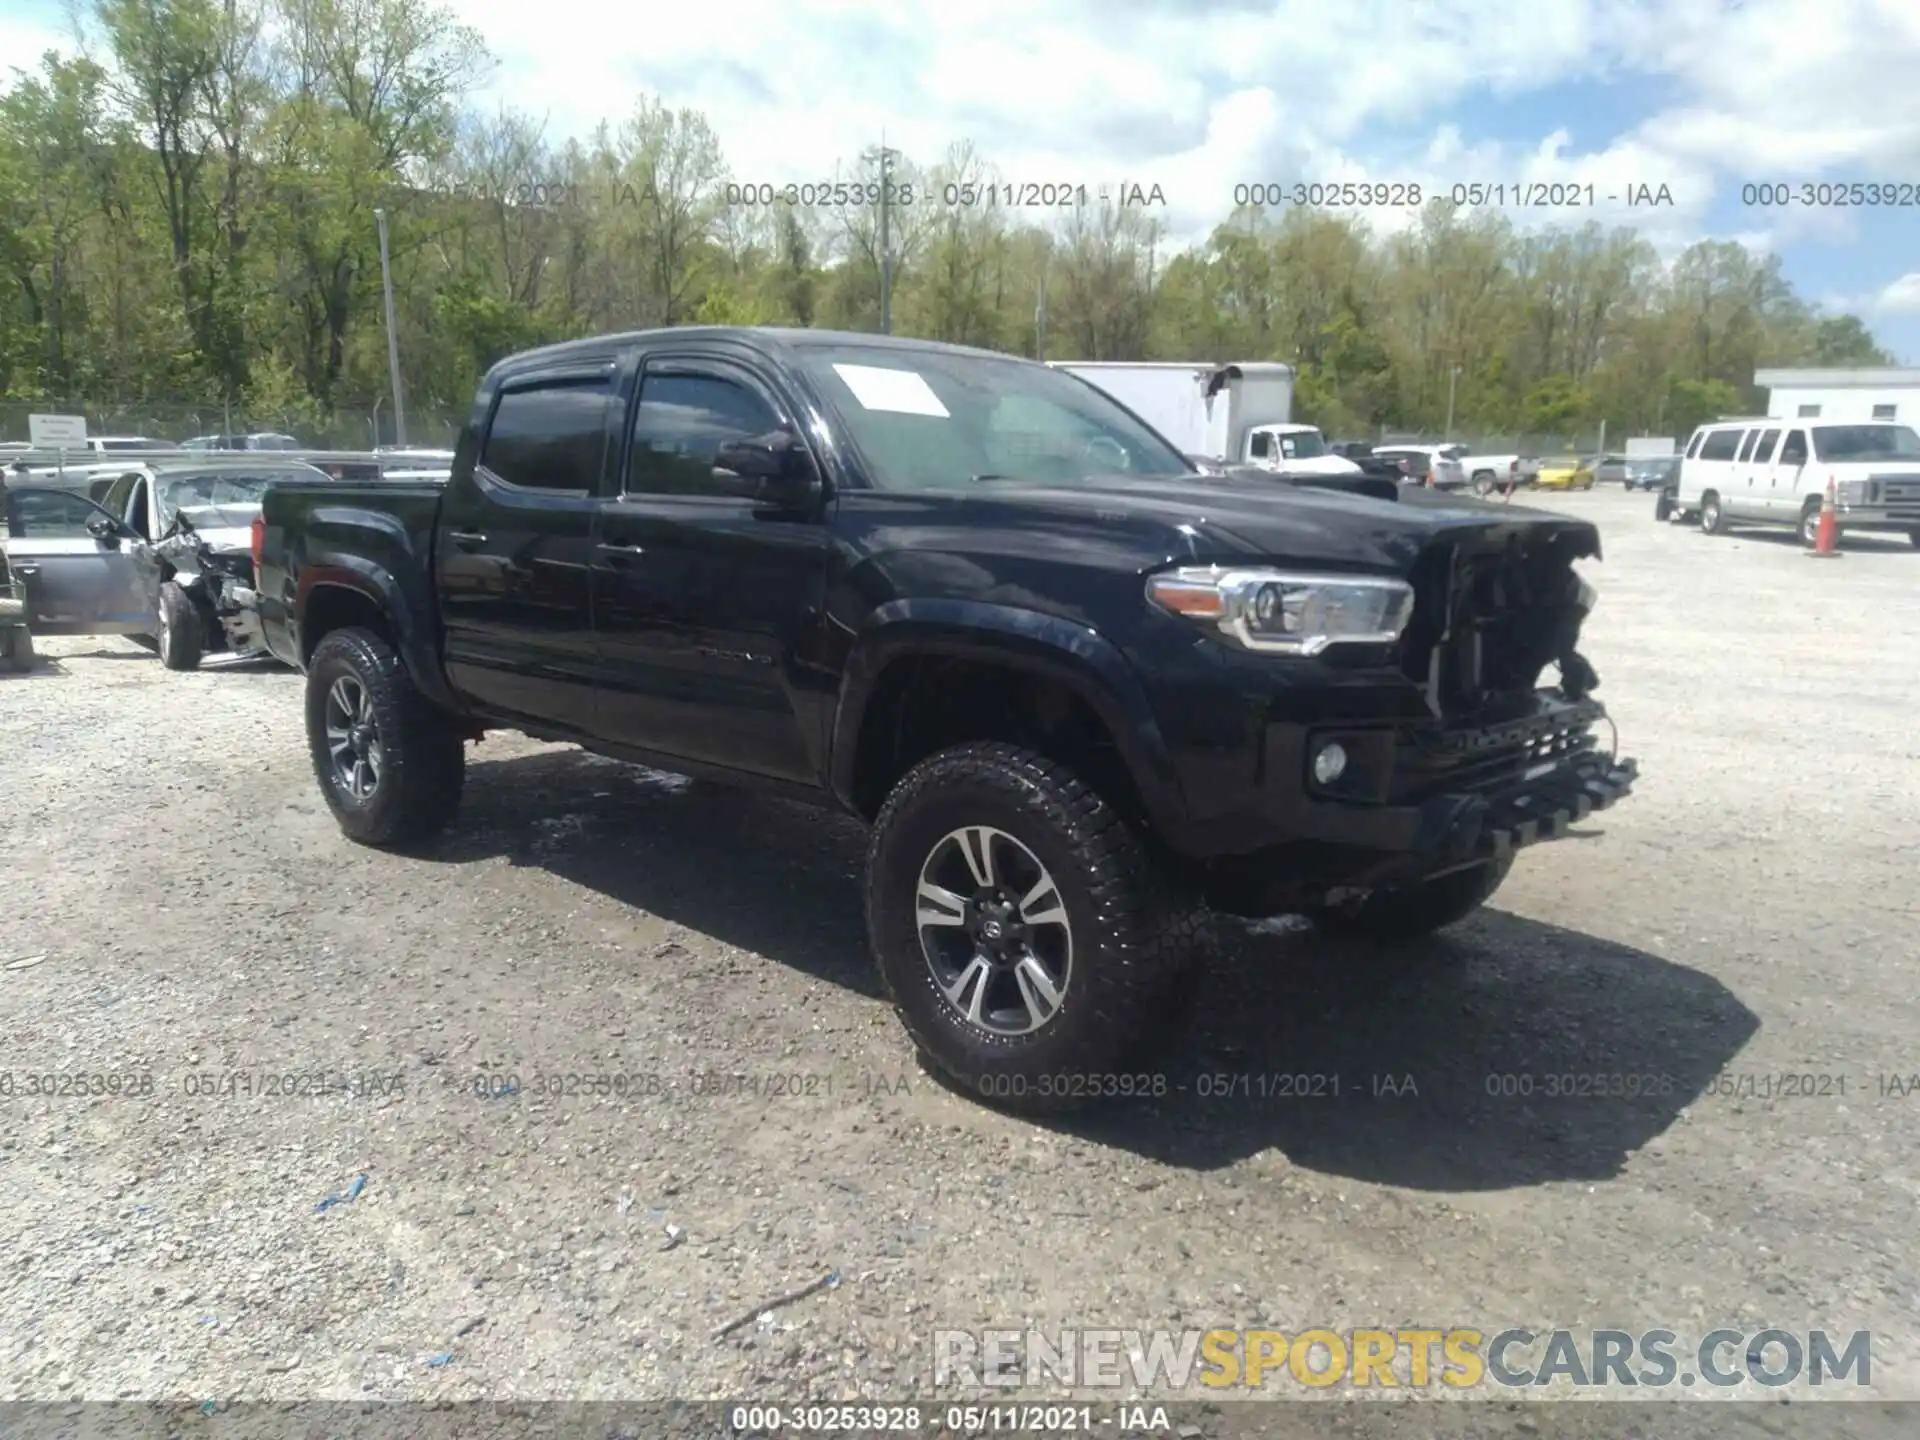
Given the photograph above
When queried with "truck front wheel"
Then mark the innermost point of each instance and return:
(1025, 937)
(1398, 914)
(390, 766)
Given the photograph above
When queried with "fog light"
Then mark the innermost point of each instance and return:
(1329, 764)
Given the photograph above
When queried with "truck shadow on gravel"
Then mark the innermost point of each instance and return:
(1504, 1053)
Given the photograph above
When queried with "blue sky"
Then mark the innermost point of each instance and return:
(1703, 96)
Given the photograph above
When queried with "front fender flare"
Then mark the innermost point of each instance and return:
(1076, 655)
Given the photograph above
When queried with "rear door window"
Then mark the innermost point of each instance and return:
(550, 435)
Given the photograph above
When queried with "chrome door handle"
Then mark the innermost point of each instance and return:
(625, 549)
(467, 539)
(26, 569)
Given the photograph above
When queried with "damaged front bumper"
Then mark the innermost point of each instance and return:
(1414, 801)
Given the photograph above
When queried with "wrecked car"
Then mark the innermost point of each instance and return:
(164, 556)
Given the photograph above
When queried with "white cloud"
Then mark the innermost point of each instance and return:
(1200, 95)
(1902, 297)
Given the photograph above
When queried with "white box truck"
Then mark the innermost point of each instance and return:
(1649, 447)
(1219, 414)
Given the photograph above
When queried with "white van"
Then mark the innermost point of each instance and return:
(1775, 472)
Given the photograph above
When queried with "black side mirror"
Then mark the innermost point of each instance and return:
(770, 468)
(103, 529)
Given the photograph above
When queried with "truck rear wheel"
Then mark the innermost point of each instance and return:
(1409, 912)
(390, 765)
(1483, 482)
(1025, 937)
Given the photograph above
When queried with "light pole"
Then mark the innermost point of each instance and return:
(393, 338)
(886, 158)
(1453, 379)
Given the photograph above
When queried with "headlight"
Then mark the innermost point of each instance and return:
(1276, 612)
(1852, 492)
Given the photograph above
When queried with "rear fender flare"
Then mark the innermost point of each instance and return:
(373, 582)
(1083, 660)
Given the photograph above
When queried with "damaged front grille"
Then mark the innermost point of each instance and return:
(1491, 613)
(1428, 762)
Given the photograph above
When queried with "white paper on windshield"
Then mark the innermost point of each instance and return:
(904, 392)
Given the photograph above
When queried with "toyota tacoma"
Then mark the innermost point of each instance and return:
(1081, 693)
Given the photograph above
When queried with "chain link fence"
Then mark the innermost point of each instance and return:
(341, 429)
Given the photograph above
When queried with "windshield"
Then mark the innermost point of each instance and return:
(1866, 442)
(1452, 452)
(213, 501)
(932, 419)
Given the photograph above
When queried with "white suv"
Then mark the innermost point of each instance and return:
(1776, 472)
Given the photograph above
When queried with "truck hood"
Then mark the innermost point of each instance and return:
(1212, 520)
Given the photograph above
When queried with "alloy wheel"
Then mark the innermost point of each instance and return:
(994, 930)
(353, 738)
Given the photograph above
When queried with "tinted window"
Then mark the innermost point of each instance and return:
(1693, 445)
(49, 514)
(549, 437)
(1763, 452)
(1794, 451)
(1720, 445)
(1746, 445)
(681, 424)
(1885, 412)
(1809, 412)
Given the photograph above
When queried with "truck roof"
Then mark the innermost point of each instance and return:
(760, 337)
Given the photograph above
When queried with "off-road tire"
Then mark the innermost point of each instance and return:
(423, 759)
(181, 640)
(1134, 935)
(1411, 912)
(19, 648)
(1713, 517)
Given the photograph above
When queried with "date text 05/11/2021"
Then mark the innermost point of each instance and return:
(1476, 194)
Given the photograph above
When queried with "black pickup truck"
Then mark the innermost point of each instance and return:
(1081, 693)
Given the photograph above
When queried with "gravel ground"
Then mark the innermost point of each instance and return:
(181, 914)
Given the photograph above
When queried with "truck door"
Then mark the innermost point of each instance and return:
(512, 545)
(76, 563)
(703, 598)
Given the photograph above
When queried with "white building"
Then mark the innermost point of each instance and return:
(1843, 395)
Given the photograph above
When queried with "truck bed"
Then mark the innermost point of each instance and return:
(373, 536)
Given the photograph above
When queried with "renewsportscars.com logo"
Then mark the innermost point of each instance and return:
(1458, 1358)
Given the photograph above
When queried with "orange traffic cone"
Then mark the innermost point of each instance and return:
(1826, 539)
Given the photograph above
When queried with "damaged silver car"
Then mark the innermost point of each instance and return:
(164, 556)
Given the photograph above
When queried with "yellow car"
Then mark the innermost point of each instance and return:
(1565, 474)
